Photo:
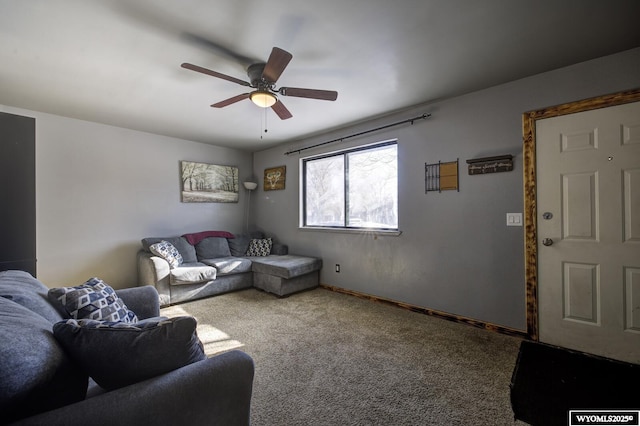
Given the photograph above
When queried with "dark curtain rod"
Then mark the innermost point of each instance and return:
(410, 120)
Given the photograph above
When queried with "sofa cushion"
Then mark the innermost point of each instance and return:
(25, 290)
(187, 251)
(212, 247)
(287, 266)
(192, 273)
(168, 252)
(117, 354)
(35, 373)
(259, 247)
(229, 265)
(94, 299)
(279, 248)
(239, 245)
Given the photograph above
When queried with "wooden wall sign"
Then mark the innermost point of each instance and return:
(501, 163)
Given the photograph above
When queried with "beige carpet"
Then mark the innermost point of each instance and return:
(324, 358)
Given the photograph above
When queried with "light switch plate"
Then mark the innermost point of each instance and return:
(514, 219)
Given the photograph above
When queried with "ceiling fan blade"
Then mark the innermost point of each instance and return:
(214, 74)
(325, 95)
(230, 101)
(281, 110)
(277, 62)
(219, 49)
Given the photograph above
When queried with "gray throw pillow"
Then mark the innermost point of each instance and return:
(94, 299)
(36, 375)
(117, 354)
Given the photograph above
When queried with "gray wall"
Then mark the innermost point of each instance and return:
(100, 189)
(455, 253)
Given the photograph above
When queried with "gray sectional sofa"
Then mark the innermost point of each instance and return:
(216, 262)
(42, 382)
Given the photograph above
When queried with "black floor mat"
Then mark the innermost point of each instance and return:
(548, 381)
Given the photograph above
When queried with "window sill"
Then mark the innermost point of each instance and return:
(376, 232)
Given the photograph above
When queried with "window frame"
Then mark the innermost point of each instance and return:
(344, 153)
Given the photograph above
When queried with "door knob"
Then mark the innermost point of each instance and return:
(547, 242)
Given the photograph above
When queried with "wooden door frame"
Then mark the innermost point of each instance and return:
(530, 191)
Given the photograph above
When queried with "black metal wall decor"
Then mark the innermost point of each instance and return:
(500, 163)
(441, 176)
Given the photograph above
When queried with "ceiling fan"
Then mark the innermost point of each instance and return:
(263, 77)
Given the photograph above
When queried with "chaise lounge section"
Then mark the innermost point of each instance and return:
(208, 263)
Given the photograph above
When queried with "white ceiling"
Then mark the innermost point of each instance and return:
(118, 62)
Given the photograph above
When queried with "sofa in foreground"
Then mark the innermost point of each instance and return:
(208, 263)
(53, 369)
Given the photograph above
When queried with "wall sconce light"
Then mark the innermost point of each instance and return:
(250, 185)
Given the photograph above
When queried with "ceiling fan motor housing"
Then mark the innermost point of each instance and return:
(255, 76)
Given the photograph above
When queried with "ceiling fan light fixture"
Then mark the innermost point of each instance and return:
(263, 98)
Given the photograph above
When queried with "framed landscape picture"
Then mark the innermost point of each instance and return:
(274, 178)
(208, 183)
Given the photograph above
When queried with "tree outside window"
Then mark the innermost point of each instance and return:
(357, 188)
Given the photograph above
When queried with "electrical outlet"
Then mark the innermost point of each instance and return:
(337, 267)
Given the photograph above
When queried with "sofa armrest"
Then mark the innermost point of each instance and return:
(141, 300)
(215, 391)
(153, 270)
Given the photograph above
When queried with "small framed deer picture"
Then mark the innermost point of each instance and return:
(274, 178)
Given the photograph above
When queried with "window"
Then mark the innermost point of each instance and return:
(357, 188)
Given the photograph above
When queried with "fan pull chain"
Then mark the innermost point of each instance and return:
(264, 122)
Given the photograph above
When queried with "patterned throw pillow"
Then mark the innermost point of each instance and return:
(168, 252)
(116, 354)
(260, 247)
(94, 300)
